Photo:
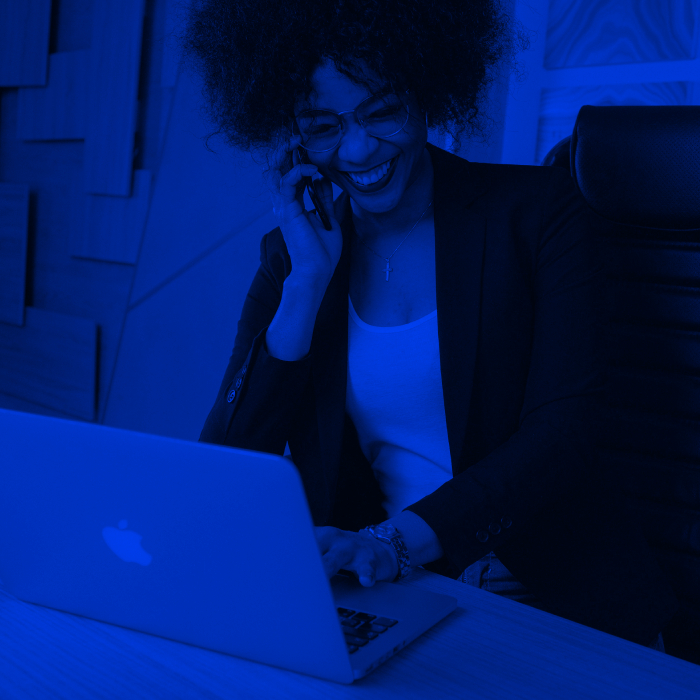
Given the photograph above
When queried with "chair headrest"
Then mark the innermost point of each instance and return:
(639, 165)
(560, 154)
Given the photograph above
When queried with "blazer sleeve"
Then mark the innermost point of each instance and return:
(552, 450)
(259, 393)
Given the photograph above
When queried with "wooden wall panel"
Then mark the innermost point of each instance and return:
(110, 228)
(24, 42)
(607, 32)
(559, 107)
(114, 74)
(56, 112)
(14, 212)
(71, 25)
(51, 361)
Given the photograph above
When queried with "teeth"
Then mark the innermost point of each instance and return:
(373, 176)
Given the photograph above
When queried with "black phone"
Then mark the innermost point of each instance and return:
(311, 185)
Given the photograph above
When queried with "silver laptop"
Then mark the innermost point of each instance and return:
(203, 544)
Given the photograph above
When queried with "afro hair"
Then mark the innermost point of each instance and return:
(256, 58)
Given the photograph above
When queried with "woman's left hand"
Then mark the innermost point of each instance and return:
(367, 557)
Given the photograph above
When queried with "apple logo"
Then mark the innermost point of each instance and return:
(126, 544)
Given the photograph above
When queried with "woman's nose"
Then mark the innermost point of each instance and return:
(356, 145)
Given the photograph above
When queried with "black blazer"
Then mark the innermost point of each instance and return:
(520, 322)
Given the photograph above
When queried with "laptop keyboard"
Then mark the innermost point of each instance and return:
(360, 628)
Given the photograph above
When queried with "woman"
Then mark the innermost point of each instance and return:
(466, 445)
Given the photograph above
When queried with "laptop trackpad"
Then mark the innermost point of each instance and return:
(396, 615)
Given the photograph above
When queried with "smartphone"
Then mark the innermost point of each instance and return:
(311, 186)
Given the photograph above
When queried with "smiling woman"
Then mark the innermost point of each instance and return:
(382, 164)
(262, 63)
(467, 446)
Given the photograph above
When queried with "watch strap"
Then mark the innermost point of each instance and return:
(389, 534)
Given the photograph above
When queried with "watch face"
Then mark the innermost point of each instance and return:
(385, 530)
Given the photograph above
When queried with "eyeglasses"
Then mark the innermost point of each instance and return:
(380, 115)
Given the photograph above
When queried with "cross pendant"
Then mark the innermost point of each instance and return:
(387, 269)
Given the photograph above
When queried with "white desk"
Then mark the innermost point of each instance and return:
(488, 647)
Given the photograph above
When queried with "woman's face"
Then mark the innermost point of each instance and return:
(359, 152)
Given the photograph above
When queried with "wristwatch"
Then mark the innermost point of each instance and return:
(386, 532)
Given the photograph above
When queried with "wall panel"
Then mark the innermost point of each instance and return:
(113, 79)
(51, 361)
(14, 214)
(58, 111)
(110, 228)
(606, 32)
(56, 281)
(24, 42)
(71, 25)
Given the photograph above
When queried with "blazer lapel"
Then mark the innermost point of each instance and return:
(460, 235)
(459, 252)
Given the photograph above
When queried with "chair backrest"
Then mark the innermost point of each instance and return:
(638, 168)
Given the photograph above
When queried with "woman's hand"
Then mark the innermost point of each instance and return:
(367, 557)
(314, 252)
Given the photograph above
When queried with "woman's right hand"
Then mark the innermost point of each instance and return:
(314, 252)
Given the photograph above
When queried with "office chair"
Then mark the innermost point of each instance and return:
(638, 168)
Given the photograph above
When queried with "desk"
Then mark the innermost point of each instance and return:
(489, 647)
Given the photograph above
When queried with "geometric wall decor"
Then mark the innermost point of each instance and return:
(183, 334)
(24, 42)
(608, 32)
(51, 361)
(559, 107)
(109, 228)
(14, 212)
(57, 111)
(113, 76)
(199, 197)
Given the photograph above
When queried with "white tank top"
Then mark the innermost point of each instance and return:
(394, 397)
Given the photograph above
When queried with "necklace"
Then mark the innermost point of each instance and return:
(388, 269)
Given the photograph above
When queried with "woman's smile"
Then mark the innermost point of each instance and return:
(372, 180)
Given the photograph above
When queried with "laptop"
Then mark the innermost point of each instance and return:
(203, 544)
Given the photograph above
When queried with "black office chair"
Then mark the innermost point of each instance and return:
(638, 169)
